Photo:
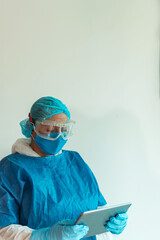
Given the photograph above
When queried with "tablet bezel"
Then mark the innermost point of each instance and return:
(96, 219)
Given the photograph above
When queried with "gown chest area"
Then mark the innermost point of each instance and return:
(54, 191)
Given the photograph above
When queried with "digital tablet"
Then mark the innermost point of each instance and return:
(96, 219)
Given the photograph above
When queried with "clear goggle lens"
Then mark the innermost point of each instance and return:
(52, 130)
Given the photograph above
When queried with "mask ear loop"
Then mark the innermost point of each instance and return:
(32, 122)
(30, 119)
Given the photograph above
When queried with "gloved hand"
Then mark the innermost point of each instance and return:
(117, 224)
(64, 230)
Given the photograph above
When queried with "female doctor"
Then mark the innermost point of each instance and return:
(44, 189)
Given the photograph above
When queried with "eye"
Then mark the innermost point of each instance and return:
(64, 129)
(48, 130)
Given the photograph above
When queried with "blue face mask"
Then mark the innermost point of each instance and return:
(50, 147)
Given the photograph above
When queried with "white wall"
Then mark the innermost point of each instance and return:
(101, 59)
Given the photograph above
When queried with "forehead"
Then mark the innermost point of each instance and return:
(59, 118)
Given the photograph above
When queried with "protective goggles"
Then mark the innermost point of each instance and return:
(52, 130)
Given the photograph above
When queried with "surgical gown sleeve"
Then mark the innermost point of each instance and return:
(101, 199)
(11, 189)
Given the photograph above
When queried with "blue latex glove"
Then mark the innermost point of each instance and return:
(64, 230)
(117, 224)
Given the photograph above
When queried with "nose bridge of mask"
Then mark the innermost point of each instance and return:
(55, 135)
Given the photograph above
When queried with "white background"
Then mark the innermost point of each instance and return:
(101, 59)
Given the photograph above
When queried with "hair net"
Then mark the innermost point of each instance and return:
(43, 108)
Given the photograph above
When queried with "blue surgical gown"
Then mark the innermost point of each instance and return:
(40, 191)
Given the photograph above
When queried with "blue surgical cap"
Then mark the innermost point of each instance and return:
(43, 108)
